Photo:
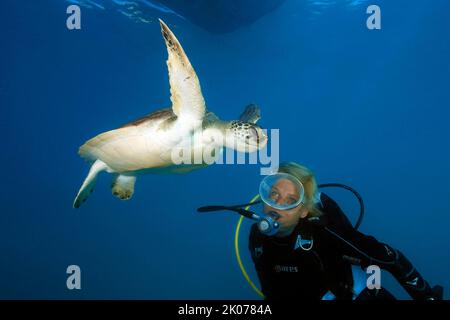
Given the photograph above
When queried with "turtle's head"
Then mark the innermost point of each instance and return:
(245, 136)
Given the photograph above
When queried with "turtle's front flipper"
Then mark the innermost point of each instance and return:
(185, 91)
(252, 114)
(123, 186)
(88, 185)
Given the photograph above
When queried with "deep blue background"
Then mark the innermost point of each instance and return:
(366, 108)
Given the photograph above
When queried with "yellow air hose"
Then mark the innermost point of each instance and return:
(238, 256)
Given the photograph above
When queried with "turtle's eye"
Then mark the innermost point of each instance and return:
(254, 134)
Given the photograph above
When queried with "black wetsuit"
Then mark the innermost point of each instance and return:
(317, 258)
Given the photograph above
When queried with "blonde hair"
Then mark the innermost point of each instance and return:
(307, 178)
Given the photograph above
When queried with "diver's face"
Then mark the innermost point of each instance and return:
(285, 192)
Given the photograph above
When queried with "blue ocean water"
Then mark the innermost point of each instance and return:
(368, 108)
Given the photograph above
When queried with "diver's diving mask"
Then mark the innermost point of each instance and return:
(281, 191)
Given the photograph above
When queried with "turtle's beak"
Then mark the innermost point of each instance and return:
(261, 137)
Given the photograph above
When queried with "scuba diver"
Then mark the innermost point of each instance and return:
(305, 246)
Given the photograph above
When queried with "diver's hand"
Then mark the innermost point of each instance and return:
(437, 293)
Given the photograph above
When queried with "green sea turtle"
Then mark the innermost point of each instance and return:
(147, 145)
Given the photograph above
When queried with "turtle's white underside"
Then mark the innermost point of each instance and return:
(147, 144)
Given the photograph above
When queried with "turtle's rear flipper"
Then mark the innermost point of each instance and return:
(252, 113)
(123, 186)
(88, 185)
